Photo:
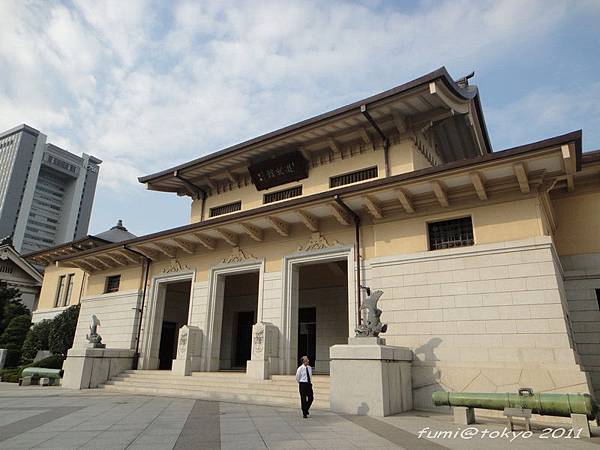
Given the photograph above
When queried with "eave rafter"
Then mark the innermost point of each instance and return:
(366, 138)
(373, 207)
(128, 256)
(83, 266)
(206, 241)
(148, 253)
(309, 221)
(568, 155)
(184, 245)
(478, 182)
(228, 236)
(93, 263)
(440, 193)
(108, 259)
(521, 173)
(166, 249)
(340, 214)
(436, 89)
(335, 148)
(282, 228)
(405, 200)
(253, 231)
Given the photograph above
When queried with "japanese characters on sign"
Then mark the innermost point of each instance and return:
(279, 170)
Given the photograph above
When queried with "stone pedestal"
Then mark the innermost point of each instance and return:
(89, 367)
(369, 378)
(265, 347)
(189, 346)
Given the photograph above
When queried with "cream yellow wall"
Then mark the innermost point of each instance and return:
(130, 280)
(50, 286)
(578, 224)
(402, 159)
(507, 221)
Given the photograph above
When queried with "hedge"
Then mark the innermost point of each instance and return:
(13, 337)
(62, 331)
(13, 375)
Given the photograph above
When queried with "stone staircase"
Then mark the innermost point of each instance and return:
(281, 390)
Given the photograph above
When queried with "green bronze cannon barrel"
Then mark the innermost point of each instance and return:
(41, 372)
(545, 404)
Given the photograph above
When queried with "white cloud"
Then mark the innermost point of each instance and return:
(145, 87)
(543, 113)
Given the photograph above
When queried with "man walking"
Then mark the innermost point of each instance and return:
(303, 377)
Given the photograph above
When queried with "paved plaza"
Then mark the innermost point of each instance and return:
(52, 417)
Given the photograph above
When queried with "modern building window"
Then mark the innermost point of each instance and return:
(296, 191)
(59, 290)
(225, 209)
(353, 177)
(69, 291)
(450, 233)
(112, 283)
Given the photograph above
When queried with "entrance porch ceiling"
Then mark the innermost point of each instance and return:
(470, 183)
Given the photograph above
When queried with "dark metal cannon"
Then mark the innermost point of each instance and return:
(544, 404)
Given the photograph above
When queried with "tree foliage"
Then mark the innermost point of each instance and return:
(37, 339)
(62, 330)
(13, 336)
(10, 305)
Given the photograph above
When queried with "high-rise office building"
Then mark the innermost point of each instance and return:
(46, 193)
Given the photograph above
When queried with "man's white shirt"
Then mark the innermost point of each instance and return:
(301, 374)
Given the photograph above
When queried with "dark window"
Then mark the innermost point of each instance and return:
(353, 177)
(59, 290)
(69, 291)
(450, 233)
(112, 283)
(225, 209)
(283, 195)
(598, 297)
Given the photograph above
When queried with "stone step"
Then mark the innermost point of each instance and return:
(234, 390)
(262, 398)
(323, 388)
(288, 381)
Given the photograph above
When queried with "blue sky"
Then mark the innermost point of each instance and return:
(145, 85)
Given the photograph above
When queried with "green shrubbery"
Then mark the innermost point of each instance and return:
(37, 339)
(12, 375)
(13, 337)
(24, 341)
(62, 331)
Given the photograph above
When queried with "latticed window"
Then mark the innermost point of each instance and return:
(112, 283)
(451, 233)
(225, 209)
(283, 195)
(353, 177)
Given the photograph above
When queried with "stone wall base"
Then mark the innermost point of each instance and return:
(370, 379)
(87, 368)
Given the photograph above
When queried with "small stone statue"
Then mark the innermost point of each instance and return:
(371, 326)
(94, 339)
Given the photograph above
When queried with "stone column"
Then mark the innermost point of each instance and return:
(265, 345)
(370, 378)
(189, 348)
(3, 353)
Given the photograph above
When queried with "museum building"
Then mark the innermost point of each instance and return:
(489, 261)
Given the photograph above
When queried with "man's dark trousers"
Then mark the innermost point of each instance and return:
(306, 396)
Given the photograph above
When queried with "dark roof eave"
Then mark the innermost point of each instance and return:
(65, 245)
(574, 136)
(440, 73)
